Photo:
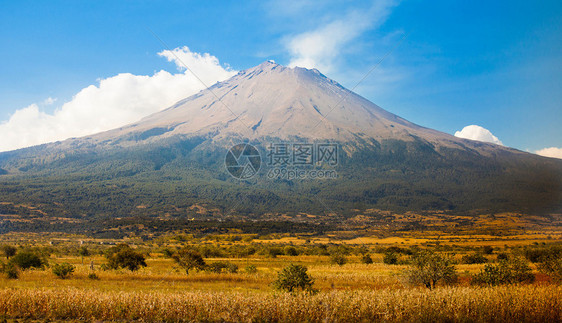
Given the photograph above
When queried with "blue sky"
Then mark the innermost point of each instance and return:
(495, 64)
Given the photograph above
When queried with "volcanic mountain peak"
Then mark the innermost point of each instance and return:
(176, 158)
(270, 100)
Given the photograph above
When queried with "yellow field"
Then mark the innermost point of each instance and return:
(353, 292)
(500, 304)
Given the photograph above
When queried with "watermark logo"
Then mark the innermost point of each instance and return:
(299, 160)
(284, 161)
(243, 161)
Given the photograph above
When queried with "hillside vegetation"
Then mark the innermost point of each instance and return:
(169, 178)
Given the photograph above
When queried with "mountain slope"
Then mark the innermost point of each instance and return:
(172, 162)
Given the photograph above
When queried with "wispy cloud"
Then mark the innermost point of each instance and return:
(114, 102)
(475, 132)
(323, 46)
(49, 101)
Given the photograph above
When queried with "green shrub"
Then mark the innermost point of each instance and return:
(9, 251)
(552, 266)
(540, 254)
(93, 276)
(294, 277)
(429, 268)
(122, 256)
(189, 259)
(475, 258)
(222, 267)
(83, 252)
(251, 269)
(167, 253)
(63, 270)
(25, 260)
(503, 256)
(511, 271)
(274, 252)
(11, 271)
(390, 258)
(366, 259)
(487, 250)
(291, 251)
(338, 259)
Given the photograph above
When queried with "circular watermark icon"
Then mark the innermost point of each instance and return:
(242, 161)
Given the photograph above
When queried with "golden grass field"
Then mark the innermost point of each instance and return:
(353, 292)
(499, 304)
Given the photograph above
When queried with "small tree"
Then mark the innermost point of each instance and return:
(366, 259)
(338, 259)
(292, 278)
(291, 251)
(274, 252)
(222, 266)
(502, 256)
(189, 259)
(122, 256)
(390, 258)
(552, 266)
(26, 260)
(11, 271)
(63, 270)
(9, 251)
(488, 250)
(515, 270)
(83, 252)
(475, 258)
(251, 269)
(428, 268)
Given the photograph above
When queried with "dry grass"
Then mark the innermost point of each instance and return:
(500, 304)
(354, 292)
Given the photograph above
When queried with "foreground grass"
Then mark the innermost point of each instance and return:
(499, 304)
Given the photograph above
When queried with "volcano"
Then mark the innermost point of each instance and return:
(177, 161)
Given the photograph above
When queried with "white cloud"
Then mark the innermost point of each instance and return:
(114, 102)
(475, 132)
(553, 152)
(321, 48)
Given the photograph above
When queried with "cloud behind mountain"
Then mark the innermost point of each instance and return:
(113, 102)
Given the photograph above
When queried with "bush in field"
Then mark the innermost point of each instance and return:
(93, 276)
(475, 258)
(390, 258)
(189, 259)
(222, 266)
(552, 266)
(63, 270)
(292, 278)
(487, 250)
(26, 259)
(429, 268)
(291, 251)
(366, 259)
(515, 270)
(122, 256)
(167, 253)
(9, 251)
(251, 269)
(83, 252)
(273, 252)
(10, 270)
(338, 259)
(540, 254)
(503, 256)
